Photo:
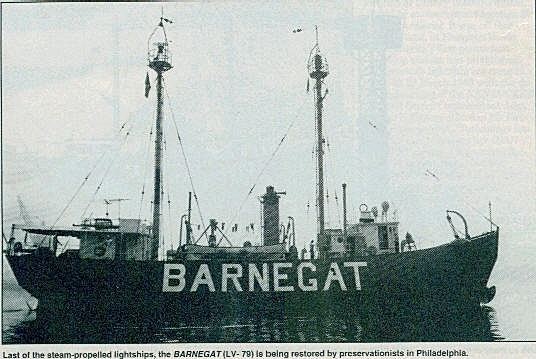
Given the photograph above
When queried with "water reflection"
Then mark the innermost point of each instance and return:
(476, 324)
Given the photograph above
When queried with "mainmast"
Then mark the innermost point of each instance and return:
(318, 70)
(159, 59)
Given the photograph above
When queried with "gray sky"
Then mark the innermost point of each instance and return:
(460, 101)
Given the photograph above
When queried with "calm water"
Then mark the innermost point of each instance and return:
(24, 326)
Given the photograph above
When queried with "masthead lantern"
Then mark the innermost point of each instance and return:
(318, 66)
(158, 54)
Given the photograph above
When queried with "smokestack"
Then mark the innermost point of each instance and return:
(270, 202)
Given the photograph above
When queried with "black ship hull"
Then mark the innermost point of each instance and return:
(426, 281)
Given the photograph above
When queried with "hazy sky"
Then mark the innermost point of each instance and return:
(460, 102)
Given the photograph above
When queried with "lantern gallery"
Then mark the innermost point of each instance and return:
(277, 277)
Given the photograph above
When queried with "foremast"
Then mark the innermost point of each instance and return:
(159, 59)
(318, 70)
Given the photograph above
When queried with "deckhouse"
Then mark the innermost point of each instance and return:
(369, 236)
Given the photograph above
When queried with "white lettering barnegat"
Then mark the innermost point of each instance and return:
(258, 277)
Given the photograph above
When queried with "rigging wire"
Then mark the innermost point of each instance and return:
(170, 222)
(382, 127)
(71, 200)
(106, 173)
(265, 166)
(99, 185)
(438, 181)
(145, 174)
(327, 164)
(338, 209)
(166, 165)
(124, 140)
(312, 187)
(84, 181)
(194, 192)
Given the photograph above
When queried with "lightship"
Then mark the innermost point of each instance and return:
(362, 266)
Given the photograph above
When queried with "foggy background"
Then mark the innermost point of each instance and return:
(444, 88)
